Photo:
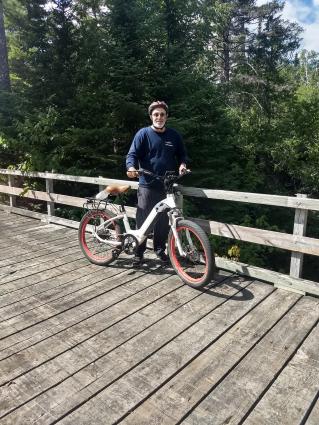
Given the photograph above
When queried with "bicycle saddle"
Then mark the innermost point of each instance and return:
(116, 189)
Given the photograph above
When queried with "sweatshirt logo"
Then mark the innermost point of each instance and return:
(168, 143)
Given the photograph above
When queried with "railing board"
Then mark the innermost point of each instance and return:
(290, 242)
(54, 197)
(287, 241)
(226, 195)
(253, 198)
(69, 178)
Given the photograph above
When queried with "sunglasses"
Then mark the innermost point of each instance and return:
(159, 114)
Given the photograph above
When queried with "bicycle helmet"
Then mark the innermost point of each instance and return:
(157, 104)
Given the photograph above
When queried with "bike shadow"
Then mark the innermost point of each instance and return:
(152, 265)
(148, 266)
(243, 294)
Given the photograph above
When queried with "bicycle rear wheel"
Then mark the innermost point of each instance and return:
(94, 237)
(197, 265)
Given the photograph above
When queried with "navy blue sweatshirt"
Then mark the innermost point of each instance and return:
(156, 152)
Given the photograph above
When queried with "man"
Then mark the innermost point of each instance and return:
(157, 149)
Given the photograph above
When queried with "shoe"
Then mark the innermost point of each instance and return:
(137, 261)
(162, 257)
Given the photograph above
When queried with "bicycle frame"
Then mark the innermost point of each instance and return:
(174, 213)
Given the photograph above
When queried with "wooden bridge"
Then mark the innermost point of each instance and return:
(83, 344)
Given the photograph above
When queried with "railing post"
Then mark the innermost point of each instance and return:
(179, 199)
(12, 198)
(300, 225)
(101, 186)
(49, 189)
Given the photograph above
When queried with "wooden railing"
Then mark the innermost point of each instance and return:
(297, 243)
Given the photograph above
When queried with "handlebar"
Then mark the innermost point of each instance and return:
(168, 176)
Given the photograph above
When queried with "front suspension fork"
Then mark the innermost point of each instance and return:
(174, 217)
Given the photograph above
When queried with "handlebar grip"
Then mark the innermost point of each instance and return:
(186, 171)
(148, 173)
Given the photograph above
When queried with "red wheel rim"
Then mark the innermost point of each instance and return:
(83, 238)
(179, 267)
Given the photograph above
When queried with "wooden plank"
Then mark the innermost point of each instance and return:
(11, 220)
(241, 389)
(38, 353)
(68, 247)
(100, 332)
(20, 341)
(36, 274)
(26, 213)
(31, 232)
(69, 360)
(301, 286)
(180, 394)
(113, 336)
(313, 418)
(175, 344)
(31, 249)
(13, 273)
(292, 393)
(110, 292)
(40, 248)
(86, 298)
(27, 298)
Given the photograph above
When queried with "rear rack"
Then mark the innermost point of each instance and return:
(96, 204)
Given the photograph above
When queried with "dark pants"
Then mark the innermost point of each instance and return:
(146, 199)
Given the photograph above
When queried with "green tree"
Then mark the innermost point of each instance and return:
(4, 65)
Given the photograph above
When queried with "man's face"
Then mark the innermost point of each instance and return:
(159, 118)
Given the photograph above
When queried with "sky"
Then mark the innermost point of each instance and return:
(306, 14)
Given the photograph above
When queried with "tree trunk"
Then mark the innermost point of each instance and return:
(4, 66)
(226, 57)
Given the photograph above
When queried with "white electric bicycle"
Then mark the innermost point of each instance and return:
(105, 232)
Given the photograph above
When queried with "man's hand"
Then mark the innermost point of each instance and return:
(182, 169)
(132, 173)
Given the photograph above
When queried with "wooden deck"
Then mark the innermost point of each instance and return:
(83, 344)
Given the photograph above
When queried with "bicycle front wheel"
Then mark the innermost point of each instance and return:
(96, 239)
(196, 265)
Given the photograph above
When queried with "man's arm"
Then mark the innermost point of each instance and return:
(181, 155)
(133, 156)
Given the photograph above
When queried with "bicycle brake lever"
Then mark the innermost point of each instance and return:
(141, 171)
(185, 172)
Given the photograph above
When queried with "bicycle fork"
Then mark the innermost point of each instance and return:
(174, 217)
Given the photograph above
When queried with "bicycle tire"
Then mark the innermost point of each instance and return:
(197, 267)
(95, 251)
